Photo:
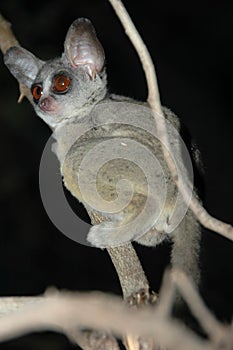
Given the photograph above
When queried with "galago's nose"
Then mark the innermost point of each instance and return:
(47, 104)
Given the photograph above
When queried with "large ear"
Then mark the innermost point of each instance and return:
(22, 64)
(83, 48)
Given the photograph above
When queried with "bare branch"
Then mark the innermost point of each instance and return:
(134, 284)
(167, 295)
(66, 312)
(88, 340)
(93, 340)
(129, 270)
(135, 287)
(220, 335)
(215, 330)
(7, 40)
(71, 312)
(202, 215)
(9, 304)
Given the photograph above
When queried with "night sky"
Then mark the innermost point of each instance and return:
(191, 45)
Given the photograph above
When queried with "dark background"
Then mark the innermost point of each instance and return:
(191, 43)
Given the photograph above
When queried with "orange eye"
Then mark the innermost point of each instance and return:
(61, 83)
(37, 91)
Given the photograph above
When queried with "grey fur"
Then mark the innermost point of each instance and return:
(85, 116)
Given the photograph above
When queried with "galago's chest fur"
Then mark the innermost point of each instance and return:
(109, 147)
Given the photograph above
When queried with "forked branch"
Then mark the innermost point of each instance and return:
(69, 312)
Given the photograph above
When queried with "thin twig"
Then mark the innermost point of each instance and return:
(166, 296)
(220, 335)
(202, 215)
(7, 40)
(209, 323)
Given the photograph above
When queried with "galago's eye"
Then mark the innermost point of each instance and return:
(37, 91)
(61, 84)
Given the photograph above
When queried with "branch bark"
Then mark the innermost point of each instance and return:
(133, 281)
(7, 40)
(69, 312)
(129, 270)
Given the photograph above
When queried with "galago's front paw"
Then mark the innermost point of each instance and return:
(106, 234)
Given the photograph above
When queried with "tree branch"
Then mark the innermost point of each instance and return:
(214, 329)
(7, 40)
(202, 215)
(69, 312)
(129, 270)
(135, 287)
(66, 312)
(133, 281)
